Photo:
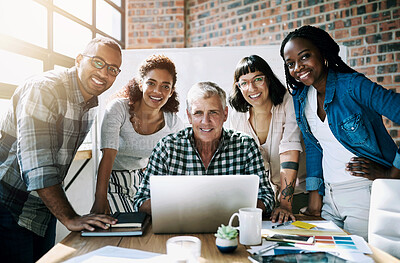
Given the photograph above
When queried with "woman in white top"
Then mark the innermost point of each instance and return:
(265, 111)
(143, 113)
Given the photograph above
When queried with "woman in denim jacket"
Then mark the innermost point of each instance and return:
(339, 112)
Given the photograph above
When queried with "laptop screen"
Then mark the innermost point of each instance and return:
(199, 204)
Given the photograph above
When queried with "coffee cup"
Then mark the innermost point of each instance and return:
(184, 249)
(250, 222)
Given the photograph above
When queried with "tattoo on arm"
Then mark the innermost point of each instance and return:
(288, 191)
(290, 165)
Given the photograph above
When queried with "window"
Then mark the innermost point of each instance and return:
(40, 35)
(27, 67)
(70, 37)
(108, 19)
(25, 20)
(80, 9)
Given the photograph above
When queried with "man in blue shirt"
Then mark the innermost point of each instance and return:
(48, 120)
(206, 148)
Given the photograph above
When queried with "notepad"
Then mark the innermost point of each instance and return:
(304, 225)
(117, 231)
(129, 219)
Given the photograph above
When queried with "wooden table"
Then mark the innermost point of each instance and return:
(75, 245)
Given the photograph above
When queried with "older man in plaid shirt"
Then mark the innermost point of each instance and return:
(206, 148)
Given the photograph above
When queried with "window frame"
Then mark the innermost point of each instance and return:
(49, 57)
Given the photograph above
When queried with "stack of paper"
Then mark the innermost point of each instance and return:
(328, 238)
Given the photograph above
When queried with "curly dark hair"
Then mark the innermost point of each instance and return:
(248, 65)
(328, 48)
(132, 91)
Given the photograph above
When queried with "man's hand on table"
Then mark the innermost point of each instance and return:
(282, 214)
(89, 222)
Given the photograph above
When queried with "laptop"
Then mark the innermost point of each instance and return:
(199, 204)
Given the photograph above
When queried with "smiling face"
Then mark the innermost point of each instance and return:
(93, 81)
(256, 93)
(305, 63)
(207, 117)
(156, 88)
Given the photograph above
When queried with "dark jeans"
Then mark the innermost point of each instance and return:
(18, 244)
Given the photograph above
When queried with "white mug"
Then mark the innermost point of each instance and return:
(184, 249)
(250, 222)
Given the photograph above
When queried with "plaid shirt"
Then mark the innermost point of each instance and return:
(175, 155)
(40, 135)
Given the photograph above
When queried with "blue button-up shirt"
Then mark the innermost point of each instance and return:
(354, 106)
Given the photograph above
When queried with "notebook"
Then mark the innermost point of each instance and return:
(199, 204)
(129, 219)
(117, 231)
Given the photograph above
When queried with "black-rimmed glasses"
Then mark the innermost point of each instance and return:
(99, 63)
(245, 84)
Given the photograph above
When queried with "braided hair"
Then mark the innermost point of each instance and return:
(328, 48)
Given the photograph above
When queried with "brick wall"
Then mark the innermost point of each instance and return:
(370, 29)
(155, 24)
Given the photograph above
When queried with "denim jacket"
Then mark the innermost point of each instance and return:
(354, 106)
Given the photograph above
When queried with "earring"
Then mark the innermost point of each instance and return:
(326, 63)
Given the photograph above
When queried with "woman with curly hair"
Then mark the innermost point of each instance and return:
(339, 112)
(143, 112)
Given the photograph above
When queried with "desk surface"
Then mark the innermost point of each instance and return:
(75, 245)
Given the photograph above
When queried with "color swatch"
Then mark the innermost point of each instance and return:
(335, 242)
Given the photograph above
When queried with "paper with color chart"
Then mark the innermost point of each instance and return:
(351, 248)
(322, 228)
(349, 243)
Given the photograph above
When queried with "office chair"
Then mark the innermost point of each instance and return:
(384, 216)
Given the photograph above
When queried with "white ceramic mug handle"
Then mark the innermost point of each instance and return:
(231, 219)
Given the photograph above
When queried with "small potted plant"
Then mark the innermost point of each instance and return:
(226, 239)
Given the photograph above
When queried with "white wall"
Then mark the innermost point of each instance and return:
(215, 64)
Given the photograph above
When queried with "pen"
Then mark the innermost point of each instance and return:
(265, 249)
(283, 224)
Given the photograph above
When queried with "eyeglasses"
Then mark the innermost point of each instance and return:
(245, 84)
(99, 63)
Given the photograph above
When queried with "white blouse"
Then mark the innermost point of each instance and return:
(283, 135)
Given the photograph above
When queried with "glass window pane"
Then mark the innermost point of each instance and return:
(117, 2)
(4, 105)
(82, 9)
(108, 19)
(25, 20)
(18, 67)
(70, 38)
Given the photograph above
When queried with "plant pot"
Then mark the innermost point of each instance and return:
(226, 245)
